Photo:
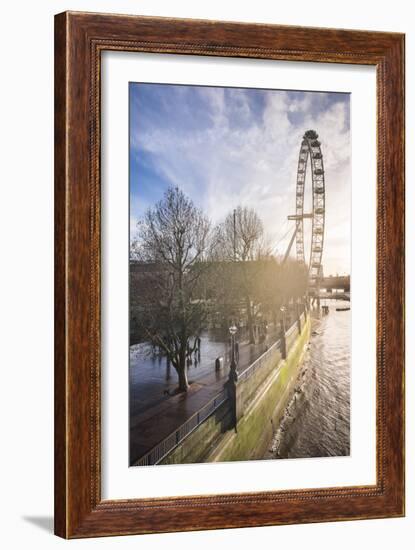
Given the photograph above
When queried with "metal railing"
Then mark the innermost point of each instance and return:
(162, 449)
(257, 364)
(166, 446)
(291, 329)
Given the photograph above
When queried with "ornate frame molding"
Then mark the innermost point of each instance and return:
(79, 40)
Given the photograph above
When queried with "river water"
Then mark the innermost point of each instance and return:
(317, 420)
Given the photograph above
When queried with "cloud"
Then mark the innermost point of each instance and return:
(226, 147)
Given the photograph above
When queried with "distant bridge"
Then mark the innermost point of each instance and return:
(335, 283)
(335, 288)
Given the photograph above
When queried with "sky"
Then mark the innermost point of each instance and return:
(226, 147)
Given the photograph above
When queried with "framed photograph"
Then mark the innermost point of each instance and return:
(229, 275)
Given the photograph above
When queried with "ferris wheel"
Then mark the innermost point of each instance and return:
(310, 151)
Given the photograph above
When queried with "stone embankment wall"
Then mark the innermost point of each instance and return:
(261, 400)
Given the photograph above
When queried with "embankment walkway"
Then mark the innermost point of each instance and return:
(150, 426)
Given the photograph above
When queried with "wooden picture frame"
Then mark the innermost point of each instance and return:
(79, 40)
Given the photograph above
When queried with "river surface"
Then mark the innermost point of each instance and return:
(317, 420)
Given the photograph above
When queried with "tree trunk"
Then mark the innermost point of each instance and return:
(183, 382)
(182, 370)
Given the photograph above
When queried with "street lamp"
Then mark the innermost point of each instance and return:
(233, 374)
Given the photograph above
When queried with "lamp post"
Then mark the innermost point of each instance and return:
(233, 373)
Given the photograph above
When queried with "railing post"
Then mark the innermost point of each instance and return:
(233, 394)
(299, 318)
(283, 340)
(232, 384)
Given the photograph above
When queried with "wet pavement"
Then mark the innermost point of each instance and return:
(154, 414)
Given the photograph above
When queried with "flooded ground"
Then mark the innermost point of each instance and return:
(151, 375)
(152, 378)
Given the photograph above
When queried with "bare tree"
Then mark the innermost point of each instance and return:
(240, 238)
(173, 238)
